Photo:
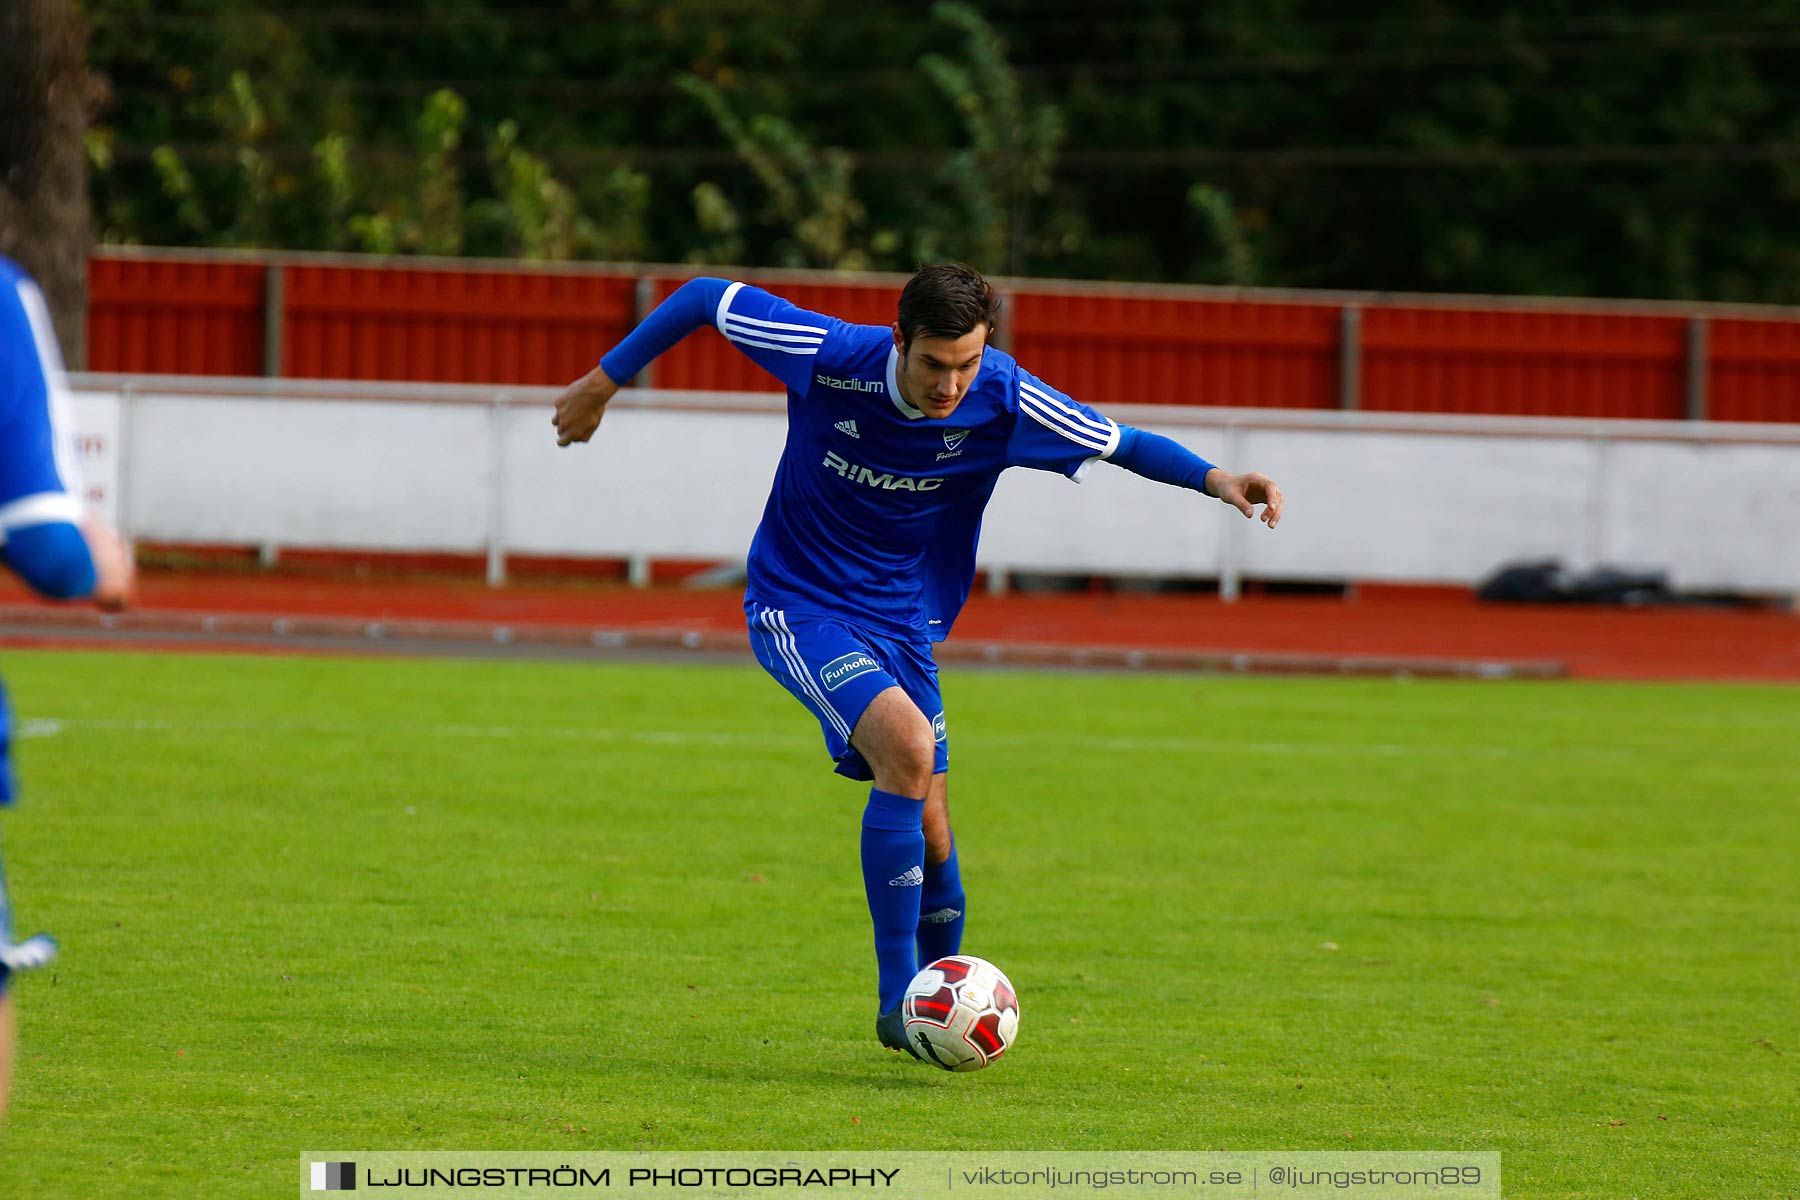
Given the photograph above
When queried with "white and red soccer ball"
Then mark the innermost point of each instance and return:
(961, 1013)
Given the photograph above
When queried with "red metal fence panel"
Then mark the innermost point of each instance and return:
(1754, 370)
(341, 318)
(1523, 363)
(1113, 349)
(447, 326)
(170, 317)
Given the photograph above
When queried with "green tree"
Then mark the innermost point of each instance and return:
(1008, 165)
(720, 227)
(540, 217)
(1235, 261)
(809, 192)
(425, 207)
(1601, 148)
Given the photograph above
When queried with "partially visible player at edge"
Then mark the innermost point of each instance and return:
(45, 539)
(866, 550)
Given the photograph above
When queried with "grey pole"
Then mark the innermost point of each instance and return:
(1696, 368)
(274, 318)
(643, 300)
(1350, 358)
(496, 541)
(1231, 564)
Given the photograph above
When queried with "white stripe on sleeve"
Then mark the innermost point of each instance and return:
(1061, 425)
(775, 324)
(1103, 427)
(734, 328)
(807, 350)
(803, 340)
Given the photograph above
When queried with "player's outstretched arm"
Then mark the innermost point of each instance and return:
(777, 336)
(1168, 461)
(583, 403)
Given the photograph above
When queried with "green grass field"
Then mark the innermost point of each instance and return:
(393, 904)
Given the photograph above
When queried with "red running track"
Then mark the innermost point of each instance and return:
(1406, 626)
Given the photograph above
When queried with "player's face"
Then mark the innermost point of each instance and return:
(936, 372)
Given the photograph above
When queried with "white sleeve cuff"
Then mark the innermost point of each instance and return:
(40, 509)
(1112, 447)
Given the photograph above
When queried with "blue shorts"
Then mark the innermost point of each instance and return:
(835, 669)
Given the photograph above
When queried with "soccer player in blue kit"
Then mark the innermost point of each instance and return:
(866, 550)
(44, 539)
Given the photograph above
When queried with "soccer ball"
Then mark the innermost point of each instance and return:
(961, 1013)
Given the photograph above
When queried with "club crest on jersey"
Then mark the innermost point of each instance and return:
(842, 670)
(954, 438)
(887, 481)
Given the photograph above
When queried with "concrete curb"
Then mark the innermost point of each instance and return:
(203, 631)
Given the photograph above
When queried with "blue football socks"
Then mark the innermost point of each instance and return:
(941, 908)
(893, 863)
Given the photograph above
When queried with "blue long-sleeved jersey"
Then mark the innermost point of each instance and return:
(876, 508)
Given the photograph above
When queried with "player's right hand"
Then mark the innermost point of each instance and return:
(115, 566)
(580, 407)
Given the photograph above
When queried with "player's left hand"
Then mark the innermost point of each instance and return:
(1244, 492)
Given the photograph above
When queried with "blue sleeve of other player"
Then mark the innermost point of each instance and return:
(39, 478)
(1162, 459)
(688, 308)
(777, 336)
(1055, 433)
(52, 558)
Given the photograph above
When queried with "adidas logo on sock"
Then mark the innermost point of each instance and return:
(848, 427)
(914, 877)
(942, 916)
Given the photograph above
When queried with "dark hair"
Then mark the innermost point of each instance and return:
(947, 300)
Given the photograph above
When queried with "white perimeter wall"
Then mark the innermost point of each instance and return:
(684, 475)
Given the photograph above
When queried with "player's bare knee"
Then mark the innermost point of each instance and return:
(920, 752)
(920, 756)
(908, 760)
(896, 739)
